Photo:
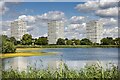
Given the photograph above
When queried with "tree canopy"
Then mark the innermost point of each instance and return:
(107, 41)
(41, 41)
(7, 45)
(26, 39)
(85, 41)
(117, 41)
(12, 39)
(60, 41)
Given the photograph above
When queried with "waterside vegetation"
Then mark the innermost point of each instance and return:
(9, 44)
(89, 72)
(25, 52)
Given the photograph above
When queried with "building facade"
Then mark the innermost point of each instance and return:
(18, 29)
(55, 31)
(94, 31)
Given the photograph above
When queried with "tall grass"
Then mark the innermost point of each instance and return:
(89, 72)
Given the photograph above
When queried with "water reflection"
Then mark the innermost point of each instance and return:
(22, 63)
(75, 58)
(18, 63)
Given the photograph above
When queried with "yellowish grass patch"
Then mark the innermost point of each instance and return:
(29, 49)
(19, 53)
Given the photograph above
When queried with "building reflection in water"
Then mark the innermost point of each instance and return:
(18, 63)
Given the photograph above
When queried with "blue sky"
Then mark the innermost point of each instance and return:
(37, 8)
(78, 13)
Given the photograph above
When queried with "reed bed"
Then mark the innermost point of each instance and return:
(89, 72)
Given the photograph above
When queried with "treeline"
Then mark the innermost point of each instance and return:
(85, 41)
(8, 44)
(27, 39)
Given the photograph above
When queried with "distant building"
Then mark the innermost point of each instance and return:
(55, 31)
(18, 29)
(94, 31)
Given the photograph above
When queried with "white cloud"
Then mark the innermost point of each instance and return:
(78, 19)
(103, 8)
(76, 27)
(27, 18)
(44, 35)
(109, 0)
(88, 6)
(52, 15)
(111, 32)
(110, 12)
(75, 31)
(109, 21)
(110, 27)
(5, 25)
(6, 32)
(95, 4)
(107, 4)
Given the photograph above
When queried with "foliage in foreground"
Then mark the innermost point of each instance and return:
(88, 72)
(7, 44)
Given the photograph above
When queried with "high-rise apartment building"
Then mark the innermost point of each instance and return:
(18, 29)
(94, 31)
(55, 31)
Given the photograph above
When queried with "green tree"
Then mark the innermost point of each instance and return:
(60, 41)
(26, 39)
(85, 41)
(44, 40)
(117, 41)
(5, 38)
(76, 41)
(41, 41)
(35, 41)
(69, 42)
(8, 47)
(107, 41)
(12, 39)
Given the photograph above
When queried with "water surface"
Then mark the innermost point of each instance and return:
(74, 57)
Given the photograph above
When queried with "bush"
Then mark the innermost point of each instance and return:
(8, 47)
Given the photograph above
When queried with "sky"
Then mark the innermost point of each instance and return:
(74, 14)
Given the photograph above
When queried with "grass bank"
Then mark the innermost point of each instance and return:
(24, 52)
(19, 49)
(67, 46)
(91, 72)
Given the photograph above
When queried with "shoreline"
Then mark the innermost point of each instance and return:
(20, 53)
(67, 46)
(24, 54)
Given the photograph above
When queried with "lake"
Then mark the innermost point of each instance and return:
(75, 58)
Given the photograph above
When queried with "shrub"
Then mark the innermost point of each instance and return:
(8, 47)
